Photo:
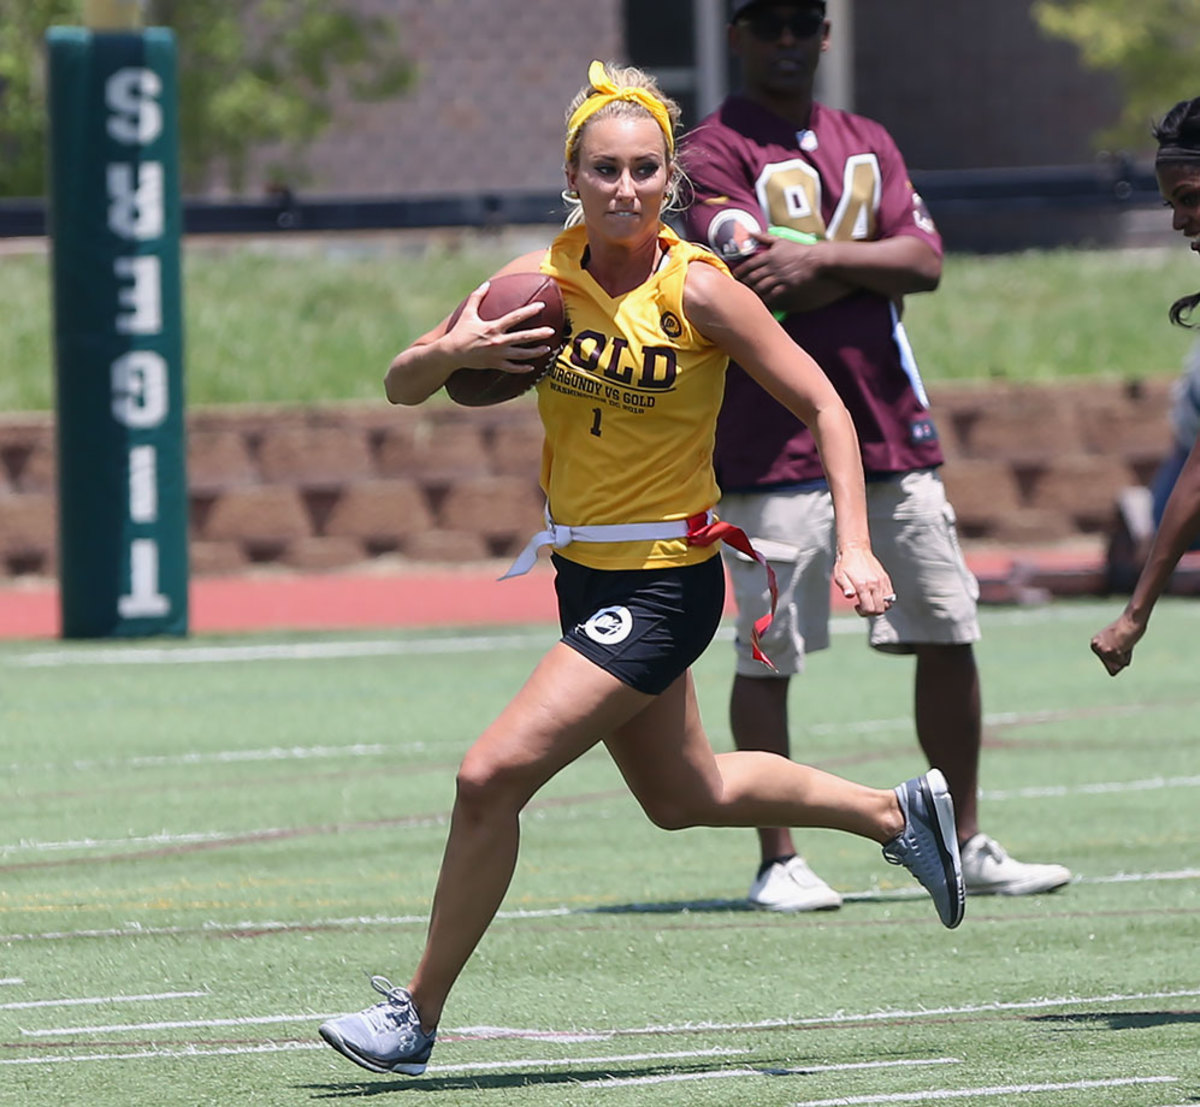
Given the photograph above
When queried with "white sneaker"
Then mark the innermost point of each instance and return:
(792, 886)
(989, 871)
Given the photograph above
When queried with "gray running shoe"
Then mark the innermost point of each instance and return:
(384, 1038)
(928, 845)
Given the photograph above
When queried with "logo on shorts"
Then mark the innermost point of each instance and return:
(609, 625)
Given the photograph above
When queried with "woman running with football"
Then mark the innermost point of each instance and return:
(1177, 166)
(629, 410)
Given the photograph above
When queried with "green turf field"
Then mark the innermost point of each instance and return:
(206, 847)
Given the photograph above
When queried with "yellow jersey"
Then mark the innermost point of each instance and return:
(630, 408)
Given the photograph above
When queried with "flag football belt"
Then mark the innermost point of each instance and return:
(701, 529)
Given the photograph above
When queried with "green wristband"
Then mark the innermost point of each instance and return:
(803, 237)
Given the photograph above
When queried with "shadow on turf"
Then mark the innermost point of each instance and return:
(527, 1079)
(735, 906)
(1120, 1020)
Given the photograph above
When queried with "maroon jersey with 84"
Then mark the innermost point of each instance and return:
(842, 178)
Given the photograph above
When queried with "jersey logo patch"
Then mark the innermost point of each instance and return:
(609, 625)
(731, 234)
(921, 431)
(671, 326)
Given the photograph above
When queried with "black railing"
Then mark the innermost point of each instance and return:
(952, 191)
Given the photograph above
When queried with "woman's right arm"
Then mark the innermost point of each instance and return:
(1179, 526)
(417, 372)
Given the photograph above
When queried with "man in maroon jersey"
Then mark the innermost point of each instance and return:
(813, 209)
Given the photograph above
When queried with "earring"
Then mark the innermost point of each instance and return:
(570, 194)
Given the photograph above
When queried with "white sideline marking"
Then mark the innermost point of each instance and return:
(462, 643)
(137, 930)
(274, 753)
(161, 1054)
(184, 838)
(94, 1000)
(724, 1074)
(1150, 784)
(1136, 878)
(8, 981)
(492, 1032)
(967, 1093)
(433, 1070)
(144, 840)
(180, 1024)
(284, 651)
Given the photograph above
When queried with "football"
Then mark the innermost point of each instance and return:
(482, 387)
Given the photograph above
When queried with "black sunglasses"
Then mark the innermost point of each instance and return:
(767, 25)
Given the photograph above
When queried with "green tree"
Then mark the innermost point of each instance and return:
(250, 74)
(1151, 46)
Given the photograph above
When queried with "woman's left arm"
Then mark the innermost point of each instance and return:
(735, 319)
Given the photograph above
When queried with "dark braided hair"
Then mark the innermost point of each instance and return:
(1178, 137)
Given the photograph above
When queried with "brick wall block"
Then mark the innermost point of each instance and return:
(1029, 525)
(315, 554)
(1079, 487)
(1024, 424)
(447, 545)
(322, 456)
(496, 507)
(517, 449)
(216, 558)
(379, 509)
(1136, 422)
(218, 458)
(28, 522)
(434, 452)
(266, 513)
(982, 491)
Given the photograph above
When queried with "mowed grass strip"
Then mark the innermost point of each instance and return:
(287, 322)
(214, 856)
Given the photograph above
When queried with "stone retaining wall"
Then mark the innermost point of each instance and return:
(308, 488)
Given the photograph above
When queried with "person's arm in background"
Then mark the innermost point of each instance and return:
(1179, 527)
(786, 274)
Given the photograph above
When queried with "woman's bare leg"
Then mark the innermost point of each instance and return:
(670, 766)
(564, 708)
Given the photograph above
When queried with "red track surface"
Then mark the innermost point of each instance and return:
(437, 597)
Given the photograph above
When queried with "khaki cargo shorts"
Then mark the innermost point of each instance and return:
(912, 533)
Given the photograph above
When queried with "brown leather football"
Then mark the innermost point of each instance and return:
(482, 387)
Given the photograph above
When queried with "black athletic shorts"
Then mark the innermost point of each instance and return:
(645, 626)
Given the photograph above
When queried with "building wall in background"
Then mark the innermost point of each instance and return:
(960, 85)
(976, 85)
(486, 113)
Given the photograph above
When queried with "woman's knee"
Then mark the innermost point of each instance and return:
(674, 812)
(483, 785)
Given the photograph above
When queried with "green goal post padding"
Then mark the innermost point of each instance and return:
(115, 227)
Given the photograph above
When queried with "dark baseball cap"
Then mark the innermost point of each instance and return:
(738, 8)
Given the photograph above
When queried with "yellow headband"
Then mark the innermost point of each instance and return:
(599, 79)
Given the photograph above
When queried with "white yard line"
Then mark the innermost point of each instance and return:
(136, 930)
(283, 651)
(520, 1064)
(972, 1093)
(219, 757)
(92, 1001)
(451, 643)
(725, 1074)
(491, 1033)
(1108, 788)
